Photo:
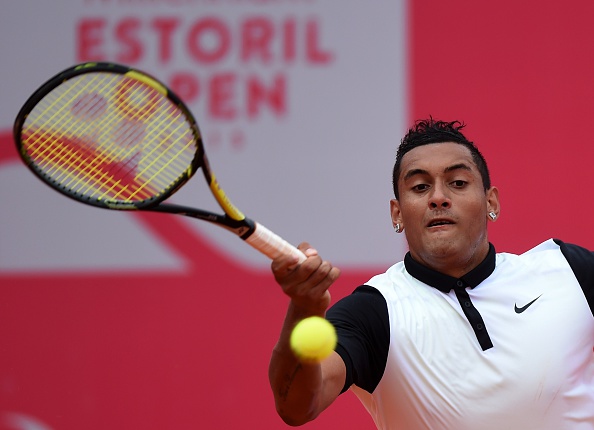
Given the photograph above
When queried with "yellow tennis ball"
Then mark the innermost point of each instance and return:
(313, 339)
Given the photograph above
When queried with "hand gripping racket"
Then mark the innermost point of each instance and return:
(113, 137)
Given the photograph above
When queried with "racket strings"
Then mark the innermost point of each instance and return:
(88, 174)
(66, 156)
(107, 136)
(168, 169)
(125, 134)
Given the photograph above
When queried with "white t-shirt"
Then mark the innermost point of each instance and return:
(509, 346)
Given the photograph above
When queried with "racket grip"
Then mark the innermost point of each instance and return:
(272, 245)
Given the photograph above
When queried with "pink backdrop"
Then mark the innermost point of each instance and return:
(98, 350)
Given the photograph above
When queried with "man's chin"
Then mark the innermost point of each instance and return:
(439, 248)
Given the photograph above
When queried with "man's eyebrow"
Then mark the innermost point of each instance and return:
(457, 167)
(414, 172)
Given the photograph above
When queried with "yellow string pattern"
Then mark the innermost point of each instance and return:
(109, 137)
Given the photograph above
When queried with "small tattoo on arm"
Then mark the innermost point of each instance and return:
(284, 390)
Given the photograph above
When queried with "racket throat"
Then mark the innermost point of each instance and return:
(246, 228)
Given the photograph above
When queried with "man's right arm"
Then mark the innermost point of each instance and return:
(302, 391)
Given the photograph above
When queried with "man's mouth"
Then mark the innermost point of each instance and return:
(440, 222)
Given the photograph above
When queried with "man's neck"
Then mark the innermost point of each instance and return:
(453, 265)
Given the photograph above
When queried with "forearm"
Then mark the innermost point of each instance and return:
(302, 391)
(297, 387)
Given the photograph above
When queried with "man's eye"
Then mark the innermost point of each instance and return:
(459, 183)
(420, 187)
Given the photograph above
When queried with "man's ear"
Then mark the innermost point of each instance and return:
(396, 214)
(493, 202)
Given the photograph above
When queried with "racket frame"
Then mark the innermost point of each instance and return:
(233, 220)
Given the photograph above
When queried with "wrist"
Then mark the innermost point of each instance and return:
(298, 311)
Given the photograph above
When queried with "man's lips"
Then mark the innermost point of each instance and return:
(439, 222)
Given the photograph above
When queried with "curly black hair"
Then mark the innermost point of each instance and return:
(429, 131)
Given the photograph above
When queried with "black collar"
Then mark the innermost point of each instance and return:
(446, 283)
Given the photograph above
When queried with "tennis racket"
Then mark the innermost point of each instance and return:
(116, 138)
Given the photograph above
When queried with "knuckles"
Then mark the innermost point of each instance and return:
(306, 283)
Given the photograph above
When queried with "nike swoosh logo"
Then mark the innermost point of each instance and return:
(523, 308)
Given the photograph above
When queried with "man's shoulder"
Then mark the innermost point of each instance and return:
(555, 249)
(394, 276)
(551, 255)
(395, 271)
(542, 253)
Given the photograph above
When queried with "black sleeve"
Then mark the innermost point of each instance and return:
(581, 261)
(362, 326)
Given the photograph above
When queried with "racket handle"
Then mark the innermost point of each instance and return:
(272, 245)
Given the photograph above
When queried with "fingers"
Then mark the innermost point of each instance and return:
(306, 283)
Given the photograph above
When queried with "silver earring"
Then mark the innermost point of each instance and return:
(397, 228)
(492, 215)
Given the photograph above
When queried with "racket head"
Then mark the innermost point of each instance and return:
(109, 136)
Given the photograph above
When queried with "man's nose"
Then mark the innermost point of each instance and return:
(439, 198)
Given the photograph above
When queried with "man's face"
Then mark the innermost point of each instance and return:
(443, 207)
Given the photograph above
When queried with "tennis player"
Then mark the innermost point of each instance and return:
(456, 336)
